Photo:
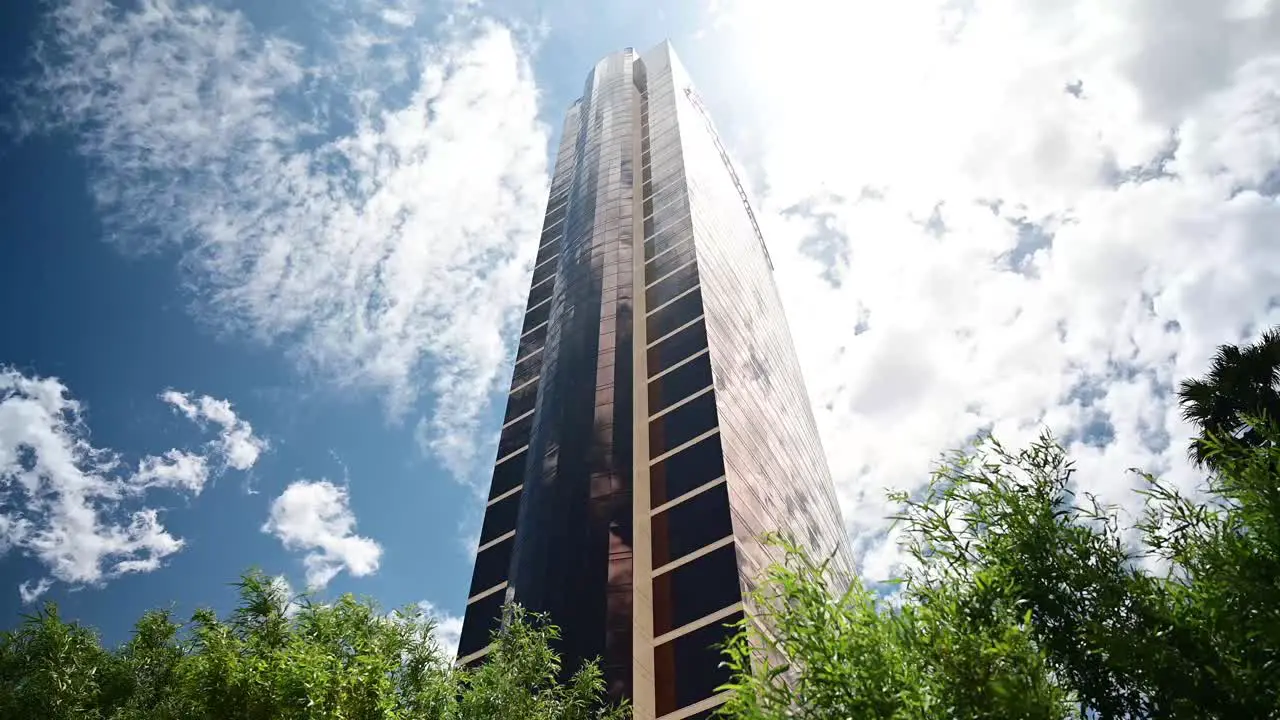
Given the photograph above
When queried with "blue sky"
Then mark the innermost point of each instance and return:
(105, 301)
(313, 223)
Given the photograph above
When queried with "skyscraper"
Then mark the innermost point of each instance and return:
(657, 422)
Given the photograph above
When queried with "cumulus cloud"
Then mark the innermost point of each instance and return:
(68, 504)
(366, 202)
(236, 443)
(1018, 215)
(78, 509)
(316, 517)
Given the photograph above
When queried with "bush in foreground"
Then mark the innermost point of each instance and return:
(1026, 601)
(271, 660)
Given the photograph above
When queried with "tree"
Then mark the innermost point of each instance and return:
(1241, 381)
(274, 660)
(1024, 601)
(861, 656)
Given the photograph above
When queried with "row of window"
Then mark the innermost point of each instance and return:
(496, 534)
(687, 668)
(500, 517)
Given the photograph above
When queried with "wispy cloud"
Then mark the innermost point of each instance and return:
(316, 517)
(1010, 255)
(366, 202)
(29, 591)
(79, 509)
(236, 444)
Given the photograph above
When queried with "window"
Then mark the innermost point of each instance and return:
(690, 525)
(680, 254)
(544, 271)
(666, 239)
(667, 190)
(670, 286)
(526, 370)
(536, 317)
(500, 518)
(551, 233)
(668, 216)
(676, 347)
(687, 470)
(665, 154)
(675, 314)
(695, 589)
(554, 215)
(547, 251)
(515, 436)
(540, 293)
(680, 383)
(491, 567)
(483, 617)
(678, 426)
(687, 669)
(507, 475)
(531, 340)
(675, 207)
(545, 268)
(520, 402)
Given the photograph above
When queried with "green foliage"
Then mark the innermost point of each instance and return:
(863, 657)
(273, 660)
(1022, 601)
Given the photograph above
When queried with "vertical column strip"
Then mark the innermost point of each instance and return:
(643, 700)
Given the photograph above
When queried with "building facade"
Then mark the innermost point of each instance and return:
(657, 423)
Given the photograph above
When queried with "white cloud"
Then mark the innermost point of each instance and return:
(236, 443)
(316, 517)
(78, 509)
(448, 627)
(398, 16)
(29, 592)
(175, 469)
(367, 204)
(70, 505)
(1009, 254)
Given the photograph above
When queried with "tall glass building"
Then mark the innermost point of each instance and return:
(657, 422)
